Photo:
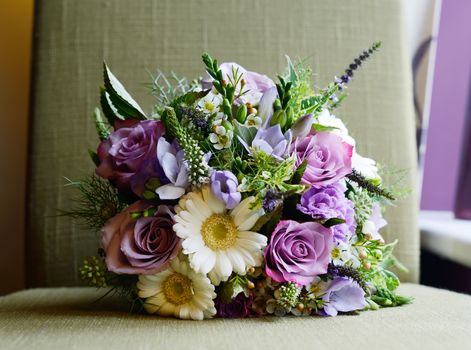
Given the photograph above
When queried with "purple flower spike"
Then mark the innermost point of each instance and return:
(224, 186)
(343, 295)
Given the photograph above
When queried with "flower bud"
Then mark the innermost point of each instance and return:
(277, 104)
(226, 105)
(367, 265)
(278, 118)
(302, 126)
(241, 114)
(250, 285)
(362, 255)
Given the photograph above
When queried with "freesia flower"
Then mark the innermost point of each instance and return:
(265, 108)
(255, 83)
(298, 252)
(302, 127)
(142, 246)
(127, 152)
(327, 203)
(328, 158)
(179, 292)
(170, 156)
(344, 295)
(224, 186)
(218, 242)
(270, 140)
(374, 223)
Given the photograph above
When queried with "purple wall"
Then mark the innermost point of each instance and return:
(448, 106)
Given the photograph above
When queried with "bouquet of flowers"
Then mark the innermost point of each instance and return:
(237, 196)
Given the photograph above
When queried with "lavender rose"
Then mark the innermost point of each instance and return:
(344, 295)
(224, 186)
(142, 246)
(327, 203)
(298, 252)
(328, 158)
(129, 151)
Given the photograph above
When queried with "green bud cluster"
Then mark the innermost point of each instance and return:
(289, 294)
(197, 166)
(94, 272)
(362, 201)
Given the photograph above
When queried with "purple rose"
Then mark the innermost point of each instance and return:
(328, 158)
(239, 307)
(142, 246)
(327, 203)
(344, 295)
(255, 83)
(129, 151)
(224, 186)
(298, 252)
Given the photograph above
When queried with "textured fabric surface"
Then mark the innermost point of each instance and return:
(73, 37)
(68, 318)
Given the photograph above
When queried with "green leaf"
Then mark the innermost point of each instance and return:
(246, 133)
(322, 128)
(94, 157)
(101, 127)
(310, 102)
(108, 111)
(118, 99)
(189, 98)
(333, 221)
(298, 174)
(293, 77)
(275, 217)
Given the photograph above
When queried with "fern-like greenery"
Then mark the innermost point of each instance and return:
(96, 202)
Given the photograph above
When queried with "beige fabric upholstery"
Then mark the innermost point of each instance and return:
(68, 318)
(73, 37)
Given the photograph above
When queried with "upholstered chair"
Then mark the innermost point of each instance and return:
(72, 38)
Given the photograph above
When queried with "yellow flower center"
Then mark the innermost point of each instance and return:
(219, 232)
(208, 106)
(335, 253)
(178, 289)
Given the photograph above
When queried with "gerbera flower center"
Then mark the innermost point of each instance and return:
(178, 289)
(219, 232)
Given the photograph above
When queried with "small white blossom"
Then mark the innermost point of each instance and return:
(210, 103)
(253, 120)
(220, 137)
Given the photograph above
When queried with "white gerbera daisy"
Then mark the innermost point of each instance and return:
(178, 291)
(218, 241)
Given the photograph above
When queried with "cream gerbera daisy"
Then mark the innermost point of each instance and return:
(218, 241)
(178, 291)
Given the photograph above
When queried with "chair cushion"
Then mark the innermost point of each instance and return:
(68, 318)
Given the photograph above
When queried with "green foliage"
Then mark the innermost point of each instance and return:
(263, 173)
(97, 201)
(116, 102)
(167, 88)
(300, 75)
(362, 202)
(102, 129)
